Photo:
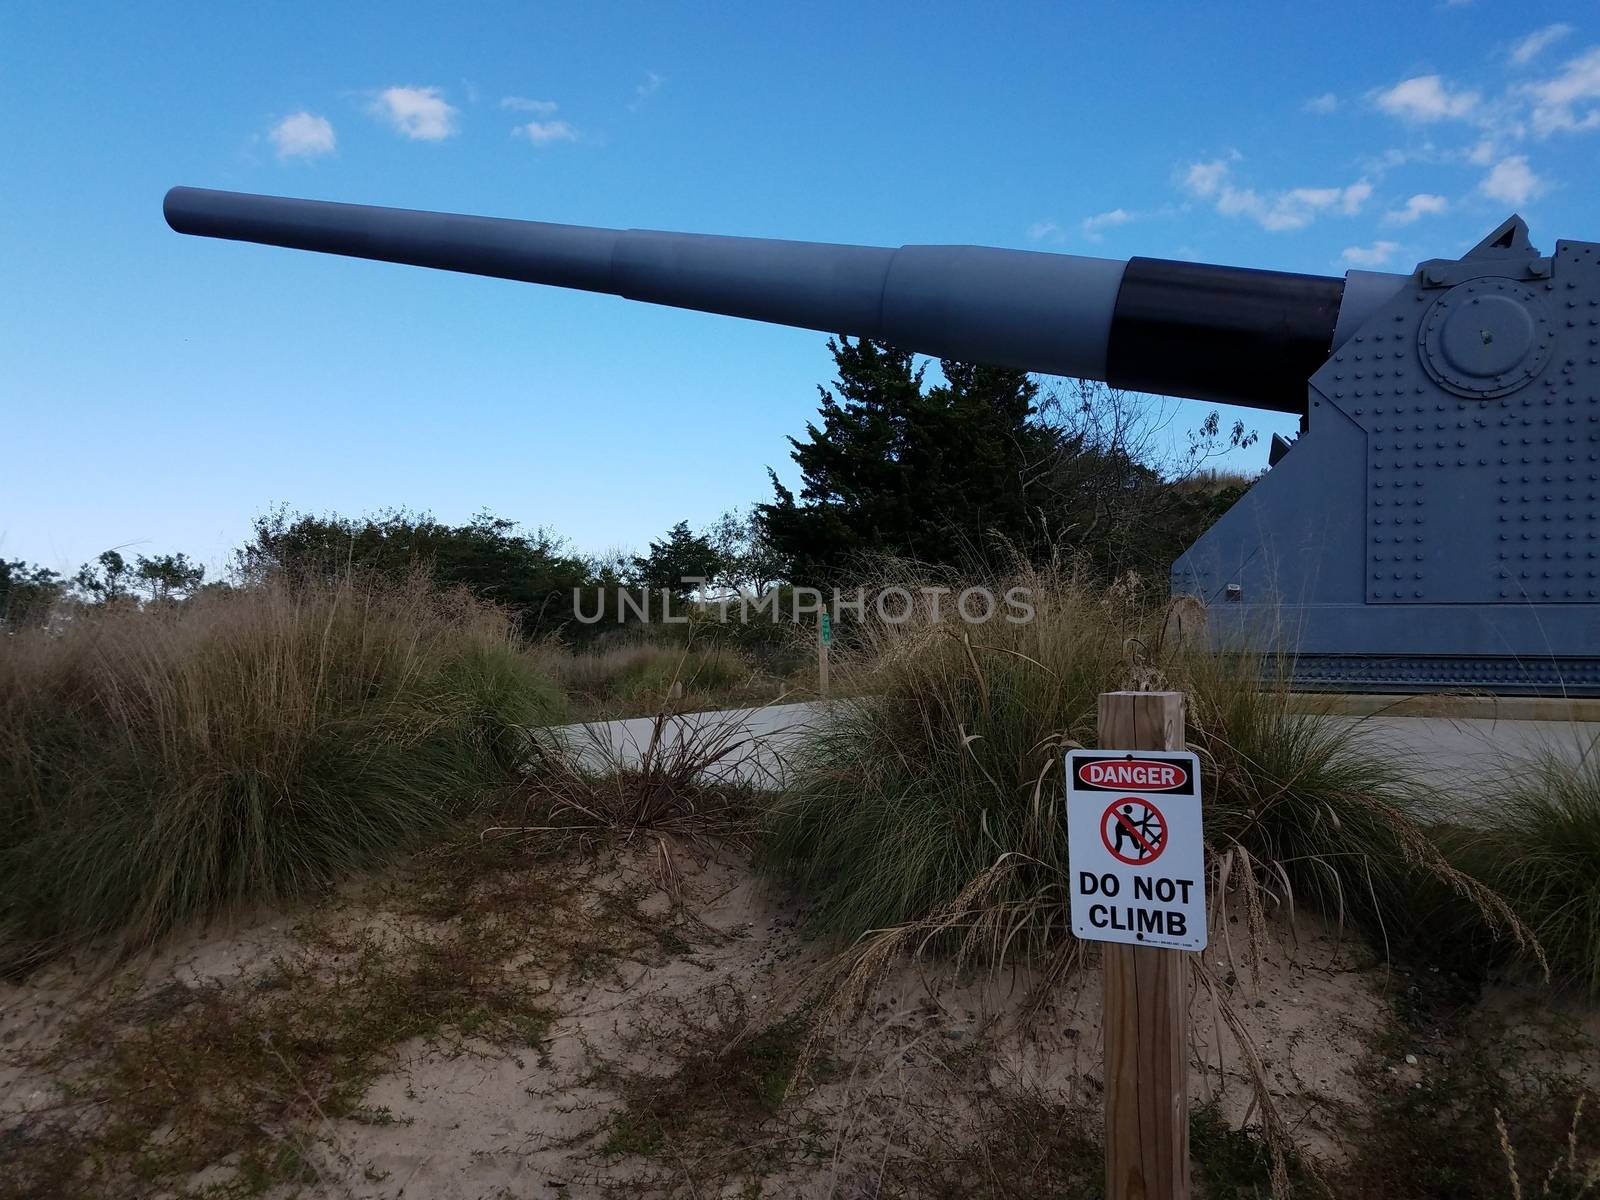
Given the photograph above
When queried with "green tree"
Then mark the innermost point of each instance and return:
(982, 467)
(106, 580)
(930, 474)
(27, 593)
(168, 577)
(749, 559)
(1110, 495)
(683, 562)
(528, 571)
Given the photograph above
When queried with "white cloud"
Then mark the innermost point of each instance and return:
(420, 113)
(1092, 226)
(1557, 101)
(1565, 100)
(1511, 181)
(1354, 196)
(539, 108)
(1529, 47)
(1277, 211)
(643, 91)
(1325, 103)
(1206, 178)
(1423, 204)
(302, 135)
(1040, 230)
(543, 133)
(1425, 98)
(1374, 255)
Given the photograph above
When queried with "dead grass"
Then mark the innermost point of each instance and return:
(480, 951)
(640, 678)
(1014, 1143)
(240, 1086)
(682, 790)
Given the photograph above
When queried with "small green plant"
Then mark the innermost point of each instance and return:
(1230, 1161)
(1486, 1112)
(730, 1082)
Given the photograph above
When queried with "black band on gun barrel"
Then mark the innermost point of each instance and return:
(1224, 334)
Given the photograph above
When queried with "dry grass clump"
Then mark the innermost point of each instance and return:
(249, 745)
(932, 806)
(932, 790)
(1542, 852)
(1568, 1174)
(687, 786)
(639, 677)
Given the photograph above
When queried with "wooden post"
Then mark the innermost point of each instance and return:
(1146, 1015)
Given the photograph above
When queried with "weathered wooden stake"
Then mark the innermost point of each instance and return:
(1146, 1016)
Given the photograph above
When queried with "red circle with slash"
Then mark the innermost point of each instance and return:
(1145, 826)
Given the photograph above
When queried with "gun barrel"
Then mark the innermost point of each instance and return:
(1177, 328)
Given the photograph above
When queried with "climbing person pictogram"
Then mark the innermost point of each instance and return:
(1134, 830)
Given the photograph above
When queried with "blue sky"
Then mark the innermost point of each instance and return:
(157, 391)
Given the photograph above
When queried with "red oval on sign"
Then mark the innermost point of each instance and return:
(1133, 774)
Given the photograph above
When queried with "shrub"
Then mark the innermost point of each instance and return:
(248, 745)
(1319, 814)
(1542, 852)
(933, 803)
(932, 778)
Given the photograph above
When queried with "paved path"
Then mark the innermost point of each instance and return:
(1467, 756)
(760, 741)
(1459, 755)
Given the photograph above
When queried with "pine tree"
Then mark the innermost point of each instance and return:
(683, 562)
(927, 474)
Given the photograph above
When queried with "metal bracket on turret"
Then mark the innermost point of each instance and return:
(1506, 254)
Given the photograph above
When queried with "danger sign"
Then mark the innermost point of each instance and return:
(1134, 848)
(1137, 773)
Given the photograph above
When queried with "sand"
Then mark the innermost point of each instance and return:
(923, 1063)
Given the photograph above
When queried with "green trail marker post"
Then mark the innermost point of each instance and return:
(824, 640)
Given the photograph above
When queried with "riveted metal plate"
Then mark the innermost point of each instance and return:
(1488, 337)
(1438, 523)
(1492, 498)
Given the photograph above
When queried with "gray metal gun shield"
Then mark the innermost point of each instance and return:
(1436, 525)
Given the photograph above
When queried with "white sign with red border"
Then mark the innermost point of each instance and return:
(1135, 848)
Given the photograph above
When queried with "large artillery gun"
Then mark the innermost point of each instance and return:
(1434, 526)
